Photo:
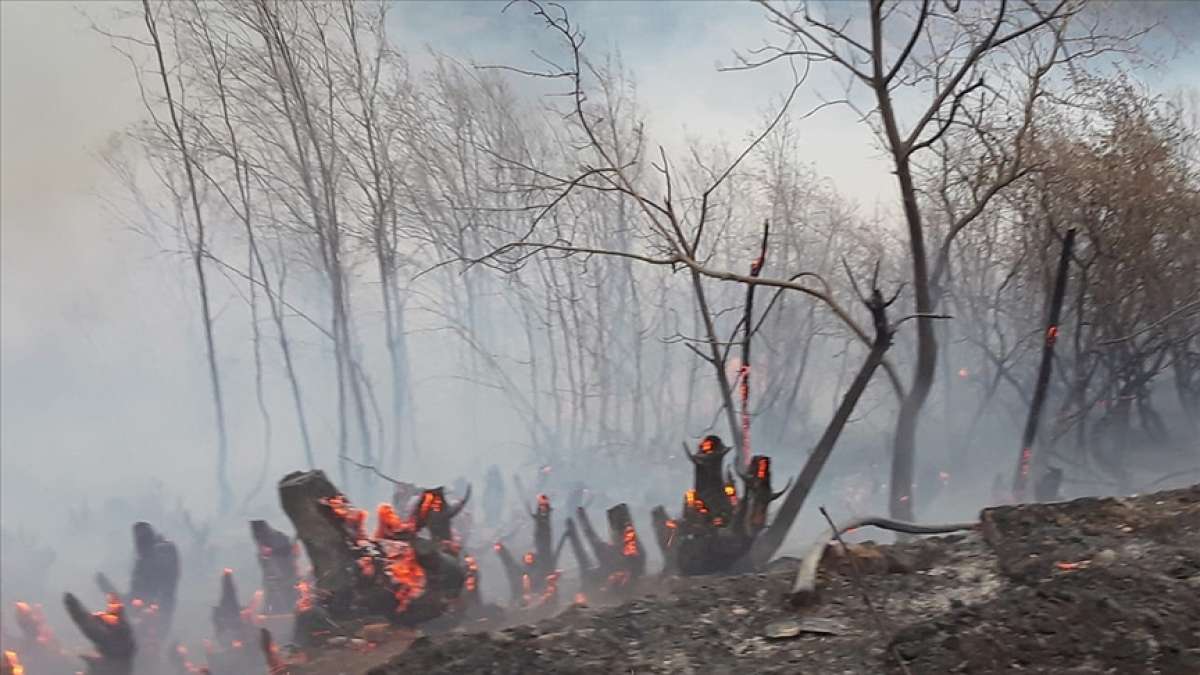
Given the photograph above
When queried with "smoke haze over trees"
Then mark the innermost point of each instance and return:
(316, 237)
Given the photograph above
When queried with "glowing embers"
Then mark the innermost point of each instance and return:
(630, 547)
(353, 520)
(408, 577)
(304, 597)
(390, 524)
(32, 622)
(472, 583)
(12, 664)
(111, 615)
(694, 504)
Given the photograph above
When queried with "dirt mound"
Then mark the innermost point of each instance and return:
(1090, 586)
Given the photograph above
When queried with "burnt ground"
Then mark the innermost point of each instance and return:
(1087, 586)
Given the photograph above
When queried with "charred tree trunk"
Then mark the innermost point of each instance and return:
(1025, 460)
(769, 542)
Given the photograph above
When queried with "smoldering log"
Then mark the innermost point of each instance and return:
(300, 494)
(409, 581)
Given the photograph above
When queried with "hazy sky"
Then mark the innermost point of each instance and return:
(100, 359)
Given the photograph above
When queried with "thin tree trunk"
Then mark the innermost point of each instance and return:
(1025, 460)
(224, 493)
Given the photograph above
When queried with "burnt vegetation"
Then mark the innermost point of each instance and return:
(1039, 270)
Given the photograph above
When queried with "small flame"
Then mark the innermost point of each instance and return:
(629, 536)
(963, 373)
(12, 663)
(763, 467)
(543, 505)
(706, 446)
(580, 599)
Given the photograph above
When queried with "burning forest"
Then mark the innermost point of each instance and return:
(453, 337)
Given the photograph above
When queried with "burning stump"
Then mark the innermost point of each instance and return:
(152, 586)
(534, 581)
(716, 528)
(397, 573)
(109, 632)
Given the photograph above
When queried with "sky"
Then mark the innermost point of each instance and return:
(99, 348)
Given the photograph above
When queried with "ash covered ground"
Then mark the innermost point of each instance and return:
(1088, 586)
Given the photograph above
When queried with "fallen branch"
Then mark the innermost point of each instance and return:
(863, 591)
(804, 589)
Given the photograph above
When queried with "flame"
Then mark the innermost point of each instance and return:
(963, 373)
(529, 558)
(706, 446)
(580, 599)
(408, 575)
(12, 663)
(1051, 335)
(630, 549)
(731, 493)
(543, 505)
(763, 466)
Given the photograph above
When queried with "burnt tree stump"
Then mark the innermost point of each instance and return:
(277, 554)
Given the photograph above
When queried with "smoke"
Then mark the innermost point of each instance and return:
(106, 416)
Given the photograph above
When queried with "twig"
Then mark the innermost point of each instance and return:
(862, 589)
(372, 469)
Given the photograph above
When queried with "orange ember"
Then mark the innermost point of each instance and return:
(762, 467)
(631, 543)
(111, 615)
(12, 664)
(430, 502)
(354, 519)
(389, 522)
(33, 623)
(706, 446)
(694, 503)
(731, 493)
(472, 582)
(408, 574)
(580, 599)
(304, 597)
(543, 504)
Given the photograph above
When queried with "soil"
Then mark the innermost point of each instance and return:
(1087, 586)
